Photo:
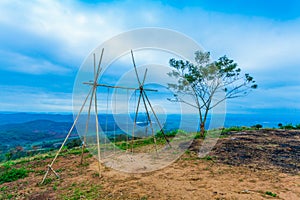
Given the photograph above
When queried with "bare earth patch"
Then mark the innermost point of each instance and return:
(244, 165)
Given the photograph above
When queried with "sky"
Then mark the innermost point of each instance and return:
(44, 43)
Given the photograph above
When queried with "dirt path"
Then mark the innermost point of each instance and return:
(229, 175)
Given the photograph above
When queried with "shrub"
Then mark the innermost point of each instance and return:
(258, 126)
(234, 128)
(297, 126)
(12, 174)
(74, 143)
(271, 194)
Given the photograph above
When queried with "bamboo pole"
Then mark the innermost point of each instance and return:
(89, 114)
(86, 127)
(96, 112)
(97, 132)
(160, 126)
(149, 119)
(119, 87)
(146, 108)
(134, 123)
(68, 135)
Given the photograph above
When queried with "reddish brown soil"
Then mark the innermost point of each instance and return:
(244, 165)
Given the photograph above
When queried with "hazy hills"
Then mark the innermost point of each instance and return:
(13, 118)
(33, 131)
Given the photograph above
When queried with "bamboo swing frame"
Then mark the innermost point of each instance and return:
(93, 97)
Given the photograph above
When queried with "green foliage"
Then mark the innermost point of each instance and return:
(288, 126)
(12, 174)
(235, 129)
(271, 194)
(257, 126)
(47, 181)
(92, 192)
(73, 143)
(207, 157)
(3, 189)
(170, 134)
(200, 135)
(76, 151)
(204, 79)
(160, 139)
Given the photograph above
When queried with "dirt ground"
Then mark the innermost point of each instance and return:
(245, 165)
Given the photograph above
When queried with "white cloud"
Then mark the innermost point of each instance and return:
(25, 64)
(254, 42)
(69, 30)
(281, 98)
(31, 99)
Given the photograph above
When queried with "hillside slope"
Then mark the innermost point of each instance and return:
(33, 131)
(237, 168)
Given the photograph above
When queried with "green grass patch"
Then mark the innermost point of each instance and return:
(76, 193)
(9, 174)
(209, 158)
(236, 129)
(271, 194)
(289, 126)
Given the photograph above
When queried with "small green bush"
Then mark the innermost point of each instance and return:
(207, 157)
(288, 126)
(12, 174)
(258, 126)
(271, 194)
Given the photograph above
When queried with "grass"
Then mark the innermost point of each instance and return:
(160, 140)
(271, 194)
(82, 192)
(289, 126)
(124, 145)
(237, 128)
(12, 174)
(207, 158)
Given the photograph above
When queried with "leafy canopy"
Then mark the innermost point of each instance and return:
(203, 79)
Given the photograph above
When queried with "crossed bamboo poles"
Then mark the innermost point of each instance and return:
(93, 92)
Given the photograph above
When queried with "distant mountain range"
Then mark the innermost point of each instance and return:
(27, 129)
(13, 118)
(33, 131)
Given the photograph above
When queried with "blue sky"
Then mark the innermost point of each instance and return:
(43, 43)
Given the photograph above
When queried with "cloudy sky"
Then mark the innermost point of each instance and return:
(43, 43)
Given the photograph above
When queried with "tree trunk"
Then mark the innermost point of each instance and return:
(202, 129)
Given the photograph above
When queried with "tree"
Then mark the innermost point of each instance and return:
(204, 79)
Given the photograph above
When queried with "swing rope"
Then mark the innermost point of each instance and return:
(106, 118)
(134, 123)
(115, 109)
(127, 122)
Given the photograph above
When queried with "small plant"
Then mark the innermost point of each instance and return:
(95, 175)
(207, 158)
(258, 126)
(188, 152)
(47, 181)
(89, 156)
(234, 129)
(297, 126)
(4, 188)
(271, 194)
(12, 174)
(288, 126)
